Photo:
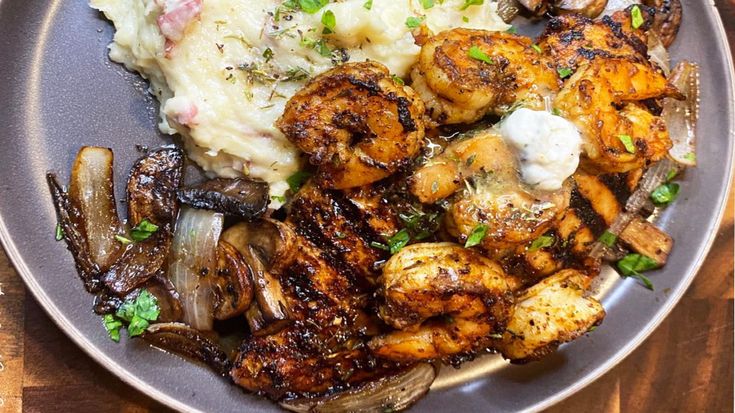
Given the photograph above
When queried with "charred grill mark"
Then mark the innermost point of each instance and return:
(370, 86)
(571, 35)
(617, 184)
(583, 209)
(640, 47)
(593, 53)
(404, 113)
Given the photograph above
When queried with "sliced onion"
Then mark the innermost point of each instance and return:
(615, 5)
(681, 115)
(658, 54)
(193, 257)
(185, 341)
(391, 393)
(91, 191)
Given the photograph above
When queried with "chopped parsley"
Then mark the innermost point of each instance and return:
(397, 80)
(564, 72)
(427, 4)
(137, 313)
(541, 242)
(59, 232)
(555, 112)
(512, 30)
(368, 5)
(468, 3)
(636, 18)
(297, 180)
(414, 22)
(632, 265)
(476, 236)
(691, 157)
(329, 21)
(312, 6)
(536, 47)
(665, 194)
(399, 240)
(420, 224)
(627, 142)
(143, 230)
(478, 54)
(123, 240)
(278, 198)
(608, 238)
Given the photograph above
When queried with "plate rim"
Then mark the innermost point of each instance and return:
(81, 341)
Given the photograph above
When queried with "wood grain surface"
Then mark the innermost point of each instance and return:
(685, 366)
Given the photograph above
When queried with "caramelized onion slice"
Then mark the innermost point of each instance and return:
(259, 326)
(71, 221)
(391, 393)
(193, 262)
(185, 341)
(232, 284)
(91, 190)
(242, 197)
(681, 115)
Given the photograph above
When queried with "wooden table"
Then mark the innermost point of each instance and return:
(685, 366)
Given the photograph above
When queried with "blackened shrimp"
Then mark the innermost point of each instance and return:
(356, 123)
(464, 74)
(446, 301)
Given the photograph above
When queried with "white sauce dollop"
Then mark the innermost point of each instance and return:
(547, 147)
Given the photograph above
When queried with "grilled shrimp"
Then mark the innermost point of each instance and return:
(447, 301)
(356, 123)
(481, 173)
(464, 74)
(616, 140)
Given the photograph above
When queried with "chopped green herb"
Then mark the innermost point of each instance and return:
(123, 240)
(278, 198)
(627, 141)
(312, 6)
(665, 194)
(632, 265)
(476, 236)
(59, 232)
(564, 72)
(555, 112)
(541, 242)
(138, 313)
(608, 238)
(379, 246)
(636, 18)
(478, 54)
(368, 4)
(414, 22)
(471, 159)
(465, 19)
(397, 80)
(143, 230)
(468, 3)
(536, 47)
(421, 225)
(672, 174)
(512, 30)
(112, 325)
(593, 328)
(691, 156)
(268, 54)
(329, 21)
(297, 180)
(398, 241)
(427, 4)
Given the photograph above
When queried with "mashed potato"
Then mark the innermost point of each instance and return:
(224, 69)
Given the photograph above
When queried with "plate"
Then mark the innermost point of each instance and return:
(60, 92)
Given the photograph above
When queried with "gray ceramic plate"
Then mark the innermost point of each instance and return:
(60, 92)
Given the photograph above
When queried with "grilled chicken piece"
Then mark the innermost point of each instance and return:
(434, 280)
(327, 285)
(356, 123)
(572, 40)
(479, 175)
(550, 313)
(464, 74)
